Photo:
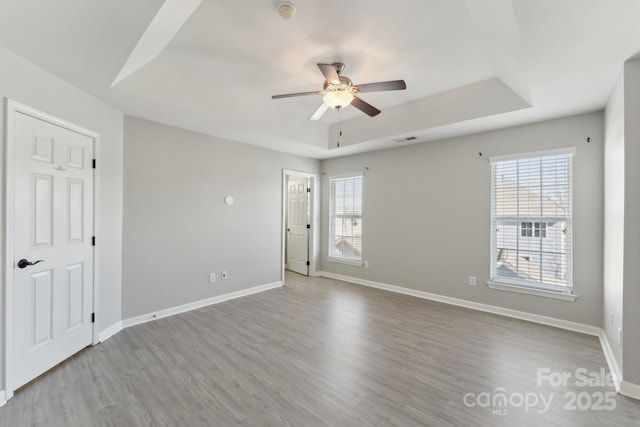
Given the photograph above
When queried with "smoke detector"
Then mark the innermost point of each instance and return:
(286, 10)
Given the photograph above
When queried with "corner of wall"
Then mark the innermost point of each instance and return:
(614, 236)
(631, 274)
(630, 390)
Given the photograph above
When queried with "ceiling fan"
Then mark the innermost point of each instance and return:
(338, 91)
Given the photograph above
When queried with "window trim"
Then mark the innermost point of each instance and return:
(540, 289)
(528, 290)
(357, 262)
(544, 153)
(347, 261)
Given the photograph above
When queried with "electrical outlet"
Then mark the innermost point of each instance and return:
(212, 277)
(366, 264)
(224, 275)
(472, 280)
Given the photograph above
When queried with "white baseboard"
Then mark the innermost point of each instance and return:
(2, 398)
(630, 390)
(197, 304)
(516, 314)
(110, 331)
(614, 368)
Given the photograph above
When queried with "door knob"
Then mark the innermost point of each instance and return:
(25, 263)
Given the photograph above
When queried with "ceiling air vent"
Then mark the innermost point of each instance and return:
(408, 138)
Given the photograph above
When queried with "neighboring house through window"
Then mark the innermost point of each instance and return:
(531, 218)
(345, 219)
(533, 229)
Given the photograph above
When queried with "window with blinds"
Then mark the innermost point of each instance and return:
(531, 220)
(345, 218)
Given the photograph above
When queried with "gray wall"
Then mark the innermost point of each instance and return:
(622, 222)
(427, 215)
(631, 310)
(614, 217)
(177, 228)
(25, 83)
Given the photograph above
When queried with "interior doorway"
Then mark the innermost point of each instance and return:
(298, 225)
(300, 200)
(49, 258)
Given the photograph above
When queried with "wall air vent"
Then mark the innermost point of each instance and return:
(408, 138)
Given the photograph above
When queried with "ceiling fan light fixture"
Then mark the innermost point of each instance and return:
(338, 96)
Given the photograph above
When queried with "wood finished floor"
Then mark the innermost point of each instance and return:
(317, 352)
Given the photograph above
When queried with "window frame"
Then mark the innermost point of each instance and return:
(358, 262)
(565, 292)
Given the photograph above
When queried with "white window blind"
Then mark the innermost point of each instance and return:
(345, 218)
(531, 221)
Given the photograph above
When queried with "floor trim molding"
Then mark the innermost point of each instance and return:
(197, 304)
(110, 331)
(630, 390)
(614, 368)
(516, 314)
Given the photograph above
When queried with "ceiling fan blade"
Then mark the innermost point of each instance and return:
(330, 74)
(365, 107)
(319, 112)
(290, 95)
(382, 86)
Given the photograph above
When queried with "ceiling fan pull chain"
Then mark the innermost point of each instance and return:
(339, 126)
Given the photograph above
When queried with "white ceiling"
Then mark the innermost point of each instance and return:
(212, 65)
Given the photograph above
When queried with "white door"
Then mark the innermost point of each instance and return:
(53, 219)
(297, 220)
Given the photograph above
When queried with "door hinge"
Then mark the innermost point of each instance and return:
(94, 163)
(308, 263)
(93, 240)
(93, 318)
(308, 225)
(309, 190)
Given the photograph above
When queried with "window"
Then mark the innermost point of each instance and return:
(525, 229)
(345, 219)
(531, 220)
(540, 229)
(533, 229)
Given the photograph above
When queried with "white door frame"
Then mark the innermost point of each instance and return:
(314, 220)
(13, 108)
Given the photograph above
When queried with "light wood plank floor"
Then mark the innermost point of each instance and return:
(319, 352)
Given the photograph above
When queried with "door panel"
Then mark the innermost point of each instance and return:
(74, 290)
(75, 207)
(53, 299)
(297, 220)
(41, 201)
(42, 302)
(43, 149)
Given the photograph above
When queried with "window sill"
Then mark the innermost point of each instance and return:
(531, 291)
(345, 261)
